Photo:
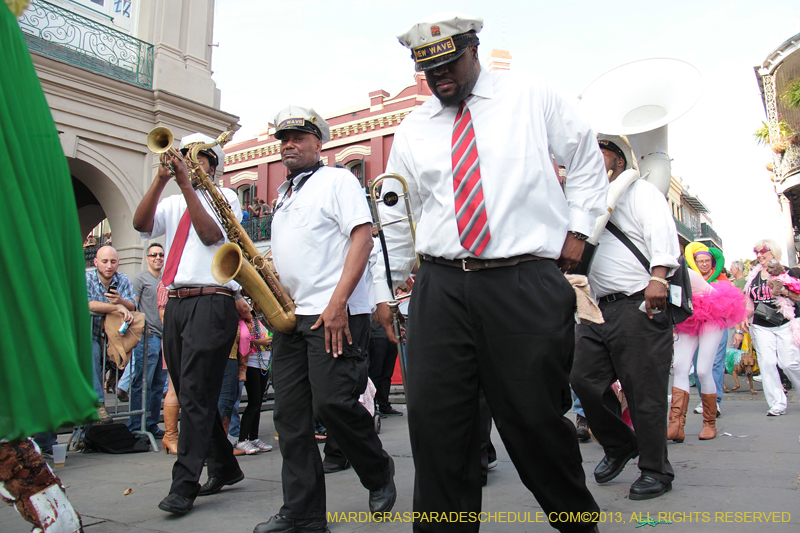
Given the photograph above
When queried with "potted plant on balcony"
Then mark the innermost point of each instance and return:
(792, 94)
(786, 134)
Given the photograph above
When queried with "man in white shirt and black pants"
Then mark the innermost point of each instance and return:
(634, 344)
(321, 242)
(200, 324)
(491, 307)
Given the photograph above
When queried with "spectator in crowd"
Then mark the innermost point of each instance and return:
(771, 332)
(145, 288)
(737, 273)
(255, 208)
(108, 291)
(246, 212)
(90, 241)
(265, 208)
(107, 238)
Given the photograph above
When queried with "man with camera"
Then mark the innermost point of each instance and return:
(108, 291)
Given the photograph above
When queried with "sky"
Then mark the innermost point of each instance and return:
(329, 54)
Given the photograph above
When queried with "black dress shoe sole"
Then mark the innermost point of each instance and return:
(617, 471)
(651, 495)
(335, 468)
(174, 509)
(390, 505)
(225, 483)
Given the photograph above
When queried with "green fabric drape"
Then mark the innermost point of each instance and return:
(45, 345)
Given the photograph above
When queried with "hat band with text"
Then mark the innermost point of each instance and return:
(434, 50)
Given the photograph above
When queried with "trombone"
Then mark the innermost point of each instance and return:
(390, 198)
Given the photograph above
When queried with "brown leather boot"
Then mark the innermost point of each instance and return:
(170, 439)
(709, 430)
(677, 415)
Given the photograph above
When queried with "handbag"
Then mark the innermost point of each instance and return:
(769, 314)
(680, 278)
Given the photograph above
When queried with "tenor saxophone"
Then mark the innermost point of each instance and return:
(237, 260)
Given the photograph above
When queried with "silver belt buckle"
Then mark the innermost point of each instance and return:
(464, 266)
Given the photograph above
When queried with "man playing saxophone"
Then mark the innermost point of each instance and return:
(200, 320)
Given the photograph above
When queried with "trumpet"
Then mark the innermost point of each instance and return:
(239, 259)
(390, 198)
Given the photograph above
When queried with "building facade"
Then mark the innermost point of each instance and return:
(777, 75)
(111, 71)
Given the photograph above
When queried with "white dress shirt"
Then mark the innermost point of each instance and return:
(194, 270)
(642, 214)
(518, 123)
(311, 238)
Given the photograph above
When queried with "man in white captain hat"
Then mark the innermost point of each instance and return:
(491, 307)
(321, 241)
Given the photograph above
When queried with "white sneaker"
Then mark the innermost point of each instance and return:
(699, 409)
(776, 412)
(261, 445)
(757, 378)
(719, 410)
(247, 447)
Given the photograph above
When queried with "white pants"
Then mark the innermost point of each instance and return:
(706, 345)
(774, 347)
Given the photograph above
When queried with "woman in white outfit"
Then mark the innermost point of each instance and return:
(776, 342)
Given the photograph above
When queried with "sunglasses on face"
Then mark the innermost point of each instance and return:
(762, 251)
(156, 254)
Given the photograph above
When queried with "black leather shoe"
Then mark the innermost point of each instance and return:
(175, 503)
(158, 433)
(648, 487)
(382, 500)
(284, 524)
(215, 484)
(329, 467)
(609, 467)
(389, 411)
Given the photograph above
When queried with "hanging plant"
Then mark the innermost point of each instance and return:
(770, 166)
(779, 147)
(792, 94)
(762, 133)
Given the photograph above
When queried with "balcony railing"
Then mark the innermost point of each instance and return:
(707, 232)
(258, 229)
(684, 230)
(789, 162)
(55, 32)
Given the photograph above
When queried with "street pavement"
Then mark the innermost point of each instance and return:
(753, 471)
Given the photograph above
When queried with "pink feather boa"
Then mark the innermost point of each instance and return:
(785, 305)
(722, 307)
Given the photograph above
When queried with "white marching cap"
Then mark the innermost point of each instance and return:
(302, 119)
(440, 38)
(215, 152)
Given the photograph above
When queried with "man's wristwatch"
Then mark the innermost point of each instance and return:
(579, 236)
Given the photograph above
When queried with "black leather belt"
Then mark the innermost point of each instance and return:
(608, 298)
(469, 264)
(189, 292)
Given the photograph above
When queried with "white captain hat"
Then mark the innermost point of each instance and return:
(301, 119)
(440, 38)
(215, 154)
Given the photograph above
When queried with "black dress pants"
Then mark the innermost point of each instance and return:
(382, 358)
(198, 336)
(510, 331)
(308, 380)
(637, 351)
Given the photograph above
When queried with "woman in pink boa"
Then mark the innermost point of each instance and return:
(717, 306)
(776, 342)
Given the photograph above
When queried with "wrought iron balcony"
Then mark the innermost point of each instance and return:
(789, 163)
(707, 233)
(258, 229)
(55, 32)
(684, 230)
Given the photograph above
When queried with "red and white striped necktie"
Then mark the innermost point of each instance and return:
(471, 216)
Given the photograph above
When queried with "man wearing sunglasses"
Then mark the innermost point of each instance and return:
(145, 288)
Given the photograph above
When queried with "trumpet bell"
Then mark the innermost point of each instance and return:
(160, 140)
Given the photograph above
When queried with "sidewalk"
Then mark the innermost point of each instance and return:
(757, 469)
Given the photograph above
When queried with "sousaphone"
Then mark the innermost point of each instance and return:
(633, 103)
